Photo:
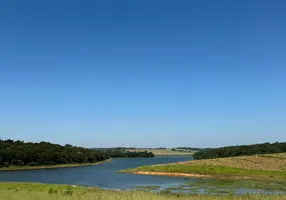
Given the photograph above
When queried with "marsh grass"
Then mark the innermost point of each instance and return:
(35, 191)
(253, 184)
(147, 187)
(218, 186)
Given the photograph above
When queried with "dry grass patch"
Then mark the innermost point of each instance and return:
(267, 162)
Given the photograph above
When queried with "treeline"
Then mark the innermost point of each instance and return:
(19, 153)
(117, 153)
(189, 148)
(242, 150)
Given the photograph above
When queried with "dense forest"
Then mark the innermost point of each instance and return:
(232, 151)
(128, 154)
(19, 153)
(124, 153)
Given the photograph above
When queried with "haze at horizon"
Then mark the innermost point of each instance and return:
(144, 74)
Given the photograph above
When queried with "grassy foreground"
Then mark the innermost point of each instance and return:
(19, 168)
(35, 191)
(270, 166)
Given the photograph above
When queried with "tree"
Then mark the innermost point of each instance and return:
(44, 153)
(232, 151)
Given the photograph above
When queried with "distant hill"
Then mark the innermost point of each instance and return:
(241, 150)
(191, 148)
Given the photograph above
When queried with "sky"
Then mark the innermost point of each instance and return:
(152, 73)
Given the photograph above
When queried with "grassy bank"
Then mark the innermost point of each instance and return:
(28, 191)
(164, 152)
(270, 166)
(19, 168)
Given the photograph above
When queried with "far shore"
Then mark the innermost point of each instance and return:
(171, 174)
(164, 152)
(265, 167)
(17, 168)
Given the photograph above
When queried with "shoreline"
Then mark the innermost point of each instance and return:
(244, 167)
(200, 176)
(177, 174)
(193, 175)
(52, 166)
(164, 152)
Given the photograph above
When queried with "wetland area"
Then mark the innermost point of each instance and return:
(107, 176)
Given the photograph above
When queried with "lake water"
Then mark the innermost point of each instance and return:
(107, 176)
(104, 176)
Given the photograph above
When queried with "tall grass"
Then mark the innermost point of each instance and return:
(21, 191)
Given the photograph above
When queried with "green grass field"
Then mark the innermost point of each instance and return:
(216, 171)
(35, 191)
(271, 166)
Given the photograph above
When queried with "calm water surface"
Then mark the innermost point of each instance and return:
(104, 175)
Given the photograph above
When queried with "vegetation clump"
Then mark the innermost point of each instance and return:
(27, 155)
(119, 153)
(28, 191)
(19, 153)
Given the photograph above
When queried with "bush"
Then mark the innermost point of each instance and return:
(68, 192)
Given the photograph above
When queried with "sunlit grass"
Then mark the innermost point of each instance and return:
(219, 171)
(270, 166)
(269, 162)
(33, 191)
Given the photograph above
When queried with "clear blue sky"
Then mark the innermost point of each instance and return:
(143, 73)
